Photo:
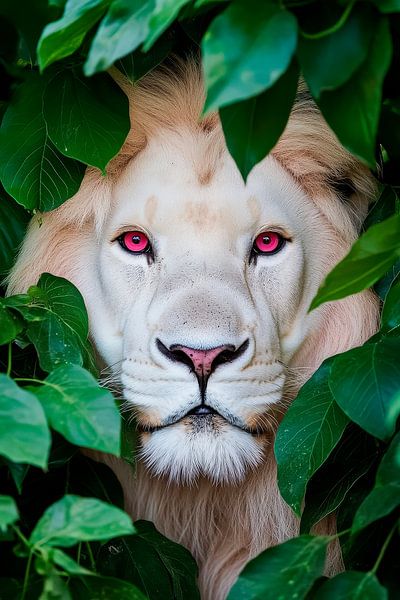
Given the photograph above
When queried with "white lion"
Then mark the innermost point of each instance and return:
(197, 287)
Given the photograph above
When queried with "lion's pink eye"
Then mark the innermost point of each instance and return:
(268, 242)
(135, 241)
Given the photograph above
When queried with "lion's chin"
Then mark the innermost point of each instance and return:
(204, 447)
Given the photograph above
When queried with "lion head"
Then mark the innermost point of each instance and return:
(197, 283)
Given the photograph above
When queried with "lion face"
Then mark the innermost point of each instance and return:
(200, 326)
(200, 321)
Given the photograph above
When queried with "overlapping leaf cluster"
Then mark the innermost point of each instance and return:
(338, 447)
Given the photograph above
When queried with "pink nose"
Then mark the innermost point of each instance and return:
(202, 360)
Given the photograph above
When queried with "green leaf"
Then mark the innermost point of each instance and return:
(387, 205)
(137, 64)
(328, 62)
(385, 496)
(104, 588)
(282, 571)
(365, 382)
(353, 109)
(122, 30)
(246, 49)
(10, 325)
(309, 431)
(74, 519)
(159, 567)
(63, 560)
(162, 16)
(55, 588)
(369, 258)
(352, 585)
(18, 472)
(78, 408)
(24, 435)
(32, 170)
(329, 488)
(57, 322)
(8, 511)
(13, 222)
(390, 320)
(88, 119)
(387, 6)
(63, 37)
(252, 127)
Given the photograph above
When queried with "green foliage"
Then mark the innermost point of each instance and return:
(73, 519)
(319, 424)
(31, 169)
(88, 119)
(247, 48)
(338, 445)
(8, 511)
(288, 569)
(368, 260)
(159, 567)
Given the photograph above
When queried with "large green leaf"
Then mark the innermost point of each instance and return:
(353, 109)
(104, 588)
(370, 257)
(252, 127)
(159, 567)
(309, 431)
(390, 321)
(13, 222)
(63, 37)
(57, 322)
(82, 411)
(352, 585)
(282, 571)
(328, 62)
(87, 119)
(122, 30)
(365, 382)
(10, 324)
(24, 435)
(8, 511)
(162, 16)
(31, 168)
(73, 519)
(385, 496)
(329, 488)
(246, 49)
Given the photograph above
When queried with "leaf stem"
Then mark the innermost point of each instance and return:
(9, 359)
(21, 536)
(91, 557)
(26, 577)
(335, 27)
(384, 548)
(28, 379)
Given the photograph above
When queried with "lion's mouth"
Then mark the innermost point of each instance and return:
(200, 413)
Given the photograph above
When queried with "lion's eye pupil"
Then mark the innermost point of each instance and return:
(268, 242)
(135, 242)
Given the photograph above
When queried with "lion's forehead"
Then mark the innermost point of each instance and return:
(155, 194)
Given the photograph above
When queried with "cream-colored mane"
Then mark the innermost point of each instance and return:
(222, 524)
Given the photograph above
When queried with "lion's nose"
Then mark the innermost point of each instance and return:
(203, 362)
